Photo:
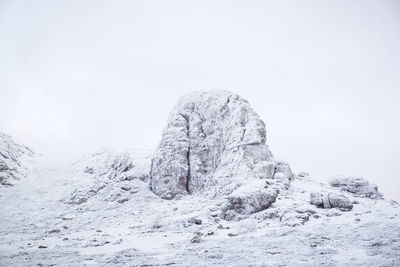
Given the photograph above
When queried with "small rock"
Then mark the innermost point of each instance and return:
(126, 187)
(65, 238)
(232, 234)
(210, 232)
(195, 239)
(54, 231)
(41, 246)
(122, 200)
(67, 217)
(197, 221)
(303, 174)
(220, 226)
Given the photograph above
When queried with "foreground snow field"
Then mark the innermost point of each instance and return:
(212, 194)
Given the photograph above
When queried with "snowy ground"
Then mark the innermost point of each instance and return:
(39, 227)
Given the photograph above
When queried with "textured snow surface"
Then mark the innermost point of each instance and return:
(148, 230)
(227, 202)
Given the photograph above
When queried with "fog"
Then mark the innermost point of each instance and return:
(76, 76)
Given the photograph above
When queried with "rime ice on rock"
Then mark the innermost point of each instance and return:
(213, 143)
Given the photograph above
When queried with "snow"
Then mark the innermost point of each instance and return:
(101, 209)
(149, 230)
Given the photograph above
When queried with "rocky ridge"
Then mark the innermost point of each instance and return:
(11, 166)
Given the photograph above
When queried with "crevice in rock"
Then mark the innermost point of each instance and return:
(188, 177)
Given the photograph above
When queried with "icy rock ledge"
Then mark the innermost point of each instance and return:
(356, 185)
(214, 144)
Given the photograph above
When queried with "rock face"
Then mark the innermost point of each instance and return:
(356, 185)
(213, 143)
(11, 168)
(331, 200)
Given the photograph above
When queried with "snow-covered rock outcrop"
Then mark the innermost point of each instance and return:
(11, 153)
(331, 200)
(214, 143)
(111, 175)
(356, 185)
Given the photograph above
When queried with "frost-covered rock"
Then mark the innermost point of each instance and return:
(356, 185)
(213, 143)
(249, 199)
(111, 175)
(11, 167)
(283, 171)
(330, 200)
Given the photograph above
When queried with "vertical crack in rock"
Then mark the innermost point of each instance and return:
(185, 182)
(213, 144)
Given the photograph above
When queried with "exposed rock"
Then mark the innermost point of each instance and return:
(125, 187)
(331, 200)
(213, 143)
(197, 221)
(195, 239)
(122, 200)
(356, 185)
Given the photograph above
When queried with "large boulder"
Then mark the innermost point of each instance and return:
(11, 155)
(249, 198)
(357, 186)
(212, 144)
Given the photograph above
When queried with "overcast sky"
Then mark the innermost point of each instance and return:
(76, 76)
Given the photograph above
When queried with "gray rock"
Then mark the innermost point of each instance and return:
(126, 187)
(213, 143)
(122, 200)
(356, 185)
(195, 239)
(331, 200)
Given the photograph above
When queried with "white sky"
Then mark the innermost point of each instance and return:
(76, 76)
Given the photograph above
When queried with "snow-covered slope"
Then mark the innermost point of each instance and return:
(101, 209)
(11, 157)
